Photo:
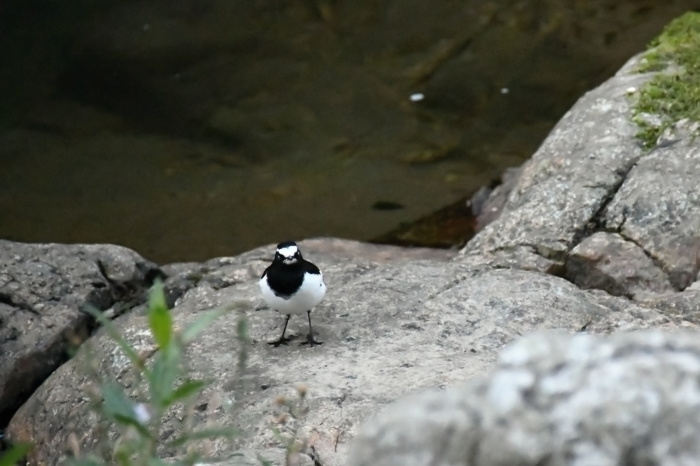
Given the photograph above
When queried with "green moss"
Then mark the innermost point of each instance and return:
(674, 93)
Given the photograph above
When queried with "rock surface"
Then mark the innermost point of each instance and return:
(592, 194)
(389, 327)
(42, 290)
(591, 205)
(658, 205)
(606, 261)
(554, 399)
(564, 187)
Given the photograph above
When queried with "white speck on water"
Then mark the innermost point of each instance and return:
(505, 90)
(417, 97)
(146, 26)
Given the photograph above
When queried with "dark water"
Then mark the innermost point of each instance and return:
(199, 128)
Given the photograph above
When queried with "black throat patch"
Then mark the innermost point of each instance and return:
(285, 280)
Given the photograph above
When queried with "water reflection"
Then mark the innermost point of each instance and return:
(187, 129)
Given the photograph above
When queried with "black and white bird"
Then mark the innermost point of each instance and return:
(292, 285)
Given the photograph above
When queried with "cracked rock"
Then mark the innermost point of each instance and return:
(391, 325)
(570, 179)
(605, 261)
(658, 207)
(43, 288)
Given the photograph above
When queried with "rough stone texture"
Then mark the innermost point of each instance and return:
(591, 205)
(563, 187)
(554, 399)
(684, 305)
(390, 328)
(594, 206)
(489, 209)
(607, 261)
(42, 290)
(658, 205)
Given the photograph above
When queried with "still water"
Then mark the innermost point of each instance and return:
(188, 129)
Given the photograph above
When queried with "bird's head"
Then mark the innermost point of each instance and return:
(287, 253)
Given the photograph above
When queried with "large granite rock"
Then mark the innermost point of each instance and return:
(43, 288)
(658, 205)
(554, 399)
(391, 326)
(591, 205)
(596, 207)
(606, 261)
(569, 180)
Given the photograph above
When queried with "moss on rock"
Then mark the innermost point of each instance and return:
(674, 93)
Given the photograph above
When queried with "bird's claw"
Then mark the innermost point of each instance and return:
(281, 341)
(311, 341)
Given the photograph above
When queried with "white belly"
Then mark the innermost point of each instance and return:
(306, 298)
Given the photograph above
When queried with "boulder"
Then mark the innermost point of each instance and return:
(658, 205)
(390, 324)
(595, 206)
(607, 261)
(554, 399)
(43, 289)
(563, 188)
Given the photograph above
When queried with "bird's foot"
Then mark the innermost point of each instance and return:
(311, 341)
(280, 341)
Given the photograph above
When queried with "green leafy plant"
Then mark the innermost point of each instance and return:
(12, 456)
(139, 421)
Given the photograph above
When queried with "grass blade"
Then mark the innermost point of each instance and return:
(187, 389)
(202, 321)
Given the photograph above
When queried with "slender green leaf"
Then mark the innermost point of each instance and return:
(221, 432)
(202, 321)
(242, 330)
(122, 458)
(185, 390)
(159, 318)
(120, 409)
(116, 402)
(12, 456)
(131, 421)
(244, 339)
(116, 336)
(165, 371)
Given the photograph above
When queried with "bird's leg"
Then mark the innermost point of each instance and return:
(281, 340)
(310, 337)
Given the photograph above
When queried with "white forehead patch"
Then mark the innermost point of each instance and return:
(289, 251)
